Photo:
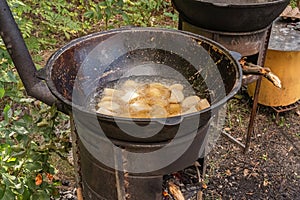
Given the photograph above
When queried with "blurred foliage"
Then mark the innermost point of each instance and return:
(117, 13)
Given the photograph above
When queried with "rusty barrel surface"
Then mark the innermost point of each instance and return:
(101, 182)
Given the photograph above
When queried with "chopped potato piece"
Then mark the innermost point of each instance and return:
(129, 96)
(148, 100)
(202, 104)
(109, 105)
(174, 109)
(104, 111)
(190, 110)
(158, 112)
(190, 102)
(108, 91)
(176, 96)
(176, 86)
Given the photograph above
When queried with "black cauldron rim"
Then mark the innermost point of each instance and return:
(173, 120)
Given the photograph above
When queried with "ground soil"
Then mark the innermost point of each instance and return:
(270, 170)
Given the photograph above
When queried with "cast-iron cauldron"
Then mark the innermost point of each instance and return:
(230, 15)
(89, 63)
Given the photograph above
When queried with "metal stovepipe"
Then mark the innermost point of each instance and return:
(22, 60)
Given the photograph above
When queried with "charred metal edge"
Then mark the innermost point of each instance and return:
(76, 158)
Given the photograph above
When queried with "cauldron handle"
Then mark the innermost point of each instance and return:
(22, 60)
(236, 55)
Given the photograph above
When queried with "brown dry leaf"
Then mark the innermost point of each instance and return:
(227, 129)
(38, 179)
(204, 186)
(246, 172)
(200, 195)
(175, 191)
(165, 193)
(254, 174)
(49, 176)
(228, 172)
(266, 182)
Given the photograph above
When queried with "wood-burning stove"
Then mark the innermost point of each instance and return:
(252, 45)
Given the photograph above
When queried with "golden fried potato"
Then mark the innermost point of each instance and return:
(174, 109)
(202, 104)
(157, 90)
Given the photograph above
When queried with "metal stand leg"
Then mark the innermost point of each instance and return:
(252, 116)
(261, 62)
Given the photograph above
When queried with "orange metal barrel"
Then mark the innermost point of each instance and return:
(283, 58)
(286, 65)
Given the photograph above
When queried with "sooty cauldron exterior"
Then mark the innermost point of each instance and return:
(230, 15)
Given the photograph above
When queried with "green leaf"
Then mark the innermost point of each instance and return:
(11, 159)
(2, 190)
(89, 14)
(108, 13)
(2, 92)
(31, 184)
(8, 195)
(26, 194)
(34, 166)
(7, 112)
(12, 77)
(40, 195)
(125, 18)
(8, 179)
(43, 123)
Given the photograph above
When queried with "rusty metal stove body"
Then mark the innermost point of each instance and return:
(253, 45)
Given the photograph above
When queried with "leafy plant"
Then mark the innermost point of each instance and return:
(116, 13)
(294, 3)
(144, 12)
(28, 133)
(107, 10)
(27, 140)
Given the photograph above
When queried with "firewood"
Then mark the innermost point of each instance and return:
(175, 191)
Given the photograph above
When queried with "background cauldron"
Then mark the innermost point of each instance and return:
(230, 15)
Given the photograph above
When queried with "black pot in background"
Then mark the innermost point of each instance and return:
(232, 15)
